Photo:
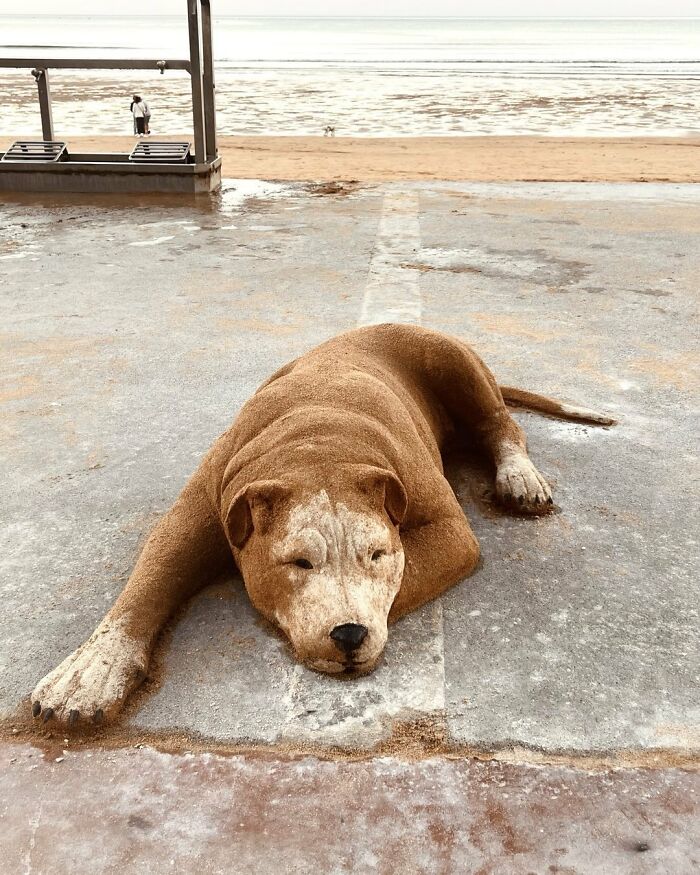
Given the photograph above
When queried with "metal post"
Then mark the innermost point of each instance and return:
(42, 84)
(208, 83)
(200, 143)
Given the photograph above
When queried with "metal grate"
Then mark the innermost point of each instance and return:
(36, 150)
(148, 152)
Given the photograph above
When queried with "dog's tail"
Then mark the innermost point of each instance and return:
(540, 403)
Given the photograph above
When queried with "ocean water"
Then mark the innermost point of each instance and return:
(372, 76)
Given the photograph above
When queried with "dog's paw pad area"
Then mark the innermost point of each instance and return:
(521, 486)
(92, 683)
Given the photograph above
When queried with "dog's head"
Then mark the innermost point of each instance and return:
(324, 565)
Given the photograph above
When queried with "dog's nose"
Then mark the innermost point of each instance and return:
(349, 636)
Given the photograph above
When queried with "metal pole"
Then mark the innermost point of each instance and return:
(200, 143)
(42, 84)
(208, 82)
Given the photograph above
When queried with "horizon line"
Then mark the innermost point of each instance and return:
(91, 14)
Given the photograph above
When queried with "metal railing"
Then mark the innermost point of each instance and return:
(200, 66)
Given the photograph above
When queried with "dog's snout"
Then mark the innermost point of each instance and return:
(349, 636)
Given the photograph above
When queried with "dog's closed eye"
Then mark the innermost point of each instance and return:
(302, 563)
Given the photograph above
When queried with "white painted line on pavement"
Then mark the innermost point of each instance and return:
(392, 293)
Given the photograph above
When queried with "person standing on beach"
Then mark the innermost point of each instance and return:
(138, 109)
(147, 118)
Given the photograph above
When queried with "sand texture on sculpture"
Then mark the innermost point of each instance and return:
(487, 159)
(328, 491)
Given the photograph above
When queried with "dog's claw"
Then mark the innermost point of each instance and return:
(48, 714)
(73, 717)
(36, 709)
(550, 500)
(98, 716)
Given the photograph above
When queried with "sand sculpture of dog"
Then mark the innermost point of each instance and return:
(328, 491)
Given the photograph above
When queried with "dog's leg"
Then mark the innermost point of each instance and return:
(518, 482)
(469, 391)
(437, 556)
(451, 373)
(185, 550)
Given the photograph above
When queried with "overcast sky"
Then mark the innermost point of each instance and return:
(487, 8)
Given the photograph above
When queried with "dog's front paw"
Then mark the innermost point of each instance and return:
(521, 486)
(94, 681)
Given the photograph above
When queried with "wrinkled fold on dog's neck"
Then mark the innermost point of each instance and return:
(309, 447)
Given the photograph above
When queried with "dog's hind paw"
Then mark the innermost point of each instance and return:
(93, 682)
(521, 486)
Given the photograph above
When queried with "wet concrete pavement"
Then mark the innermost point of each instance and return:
(134, 331)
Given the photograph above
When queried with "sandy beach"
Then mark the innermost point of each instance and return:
(487, 159)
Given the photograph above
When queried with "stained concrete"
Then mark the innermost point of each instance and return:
(142, 811)
(133, 332)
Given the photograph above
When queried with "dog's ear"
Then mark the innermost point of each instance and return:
(252, 508)
(385, 490)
